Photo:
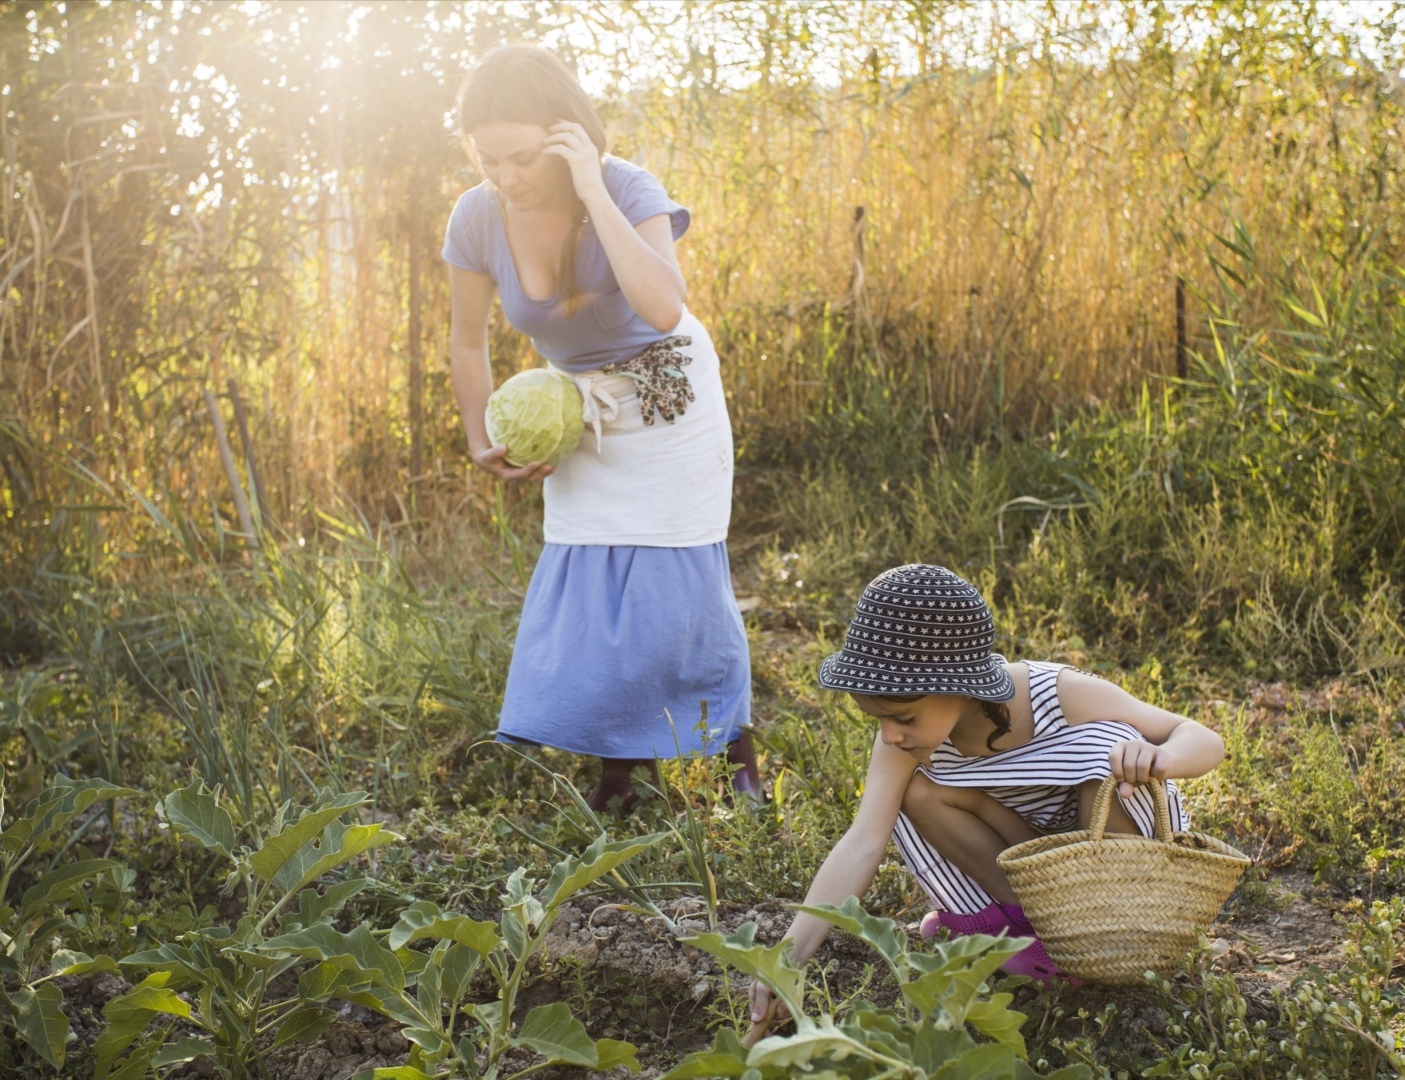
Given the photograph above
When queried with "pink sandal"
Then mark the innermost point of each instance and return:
(1032, 961)
(991, 920)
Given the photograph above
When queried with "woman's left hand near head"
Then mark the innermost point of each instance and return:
(570, 142)
(1135, 762)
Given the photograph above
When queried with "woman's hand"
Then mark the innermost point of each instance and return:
(570, 142)
(1135, 762)
(765, 1011)
(493, 459)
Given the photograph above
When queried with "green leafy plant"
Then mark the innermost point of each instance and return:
(215, 980)
(429, 992)
(503, 951)
(944, 993)
(1331, 1024)
(33, 921)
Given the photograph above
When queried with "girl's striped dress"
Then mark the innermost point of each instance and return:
(1038, 780)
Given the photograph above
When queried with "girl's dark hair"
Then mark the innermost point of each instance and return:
(997, 712)
(526, 84)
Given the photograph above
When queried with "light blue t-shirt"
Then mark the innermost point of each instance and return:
(605, 328)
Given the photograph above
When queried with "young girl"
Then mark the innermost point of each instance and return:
(974, 753)
(629, 622)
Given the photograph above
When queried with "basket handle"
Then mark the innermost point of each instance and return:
(1098, 822)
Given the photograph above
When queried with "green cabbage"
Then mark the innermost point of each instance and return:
(538, 415)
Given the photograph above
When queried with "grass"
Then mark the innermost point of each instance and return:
(992, 392)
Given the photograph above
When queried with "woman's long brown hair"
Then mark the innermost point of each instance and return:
(526, 84)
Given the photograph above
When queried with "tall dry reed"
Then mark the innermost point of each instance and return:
(969, 218)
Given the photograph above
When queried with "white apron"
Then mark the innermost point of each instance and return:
(637, 485)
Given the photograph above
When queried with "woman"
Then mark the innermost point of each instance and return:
(630, 635)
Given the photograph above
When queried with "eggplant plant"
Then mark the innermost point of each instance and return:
(213, 982)
(429, 991)
(31, 923)
(944, 995)
(211, 985)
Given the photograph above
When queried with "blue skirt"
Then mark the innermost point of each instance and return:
(615, 641)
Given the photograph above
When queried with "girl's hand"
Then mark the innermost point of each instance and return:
(765, 1011)
(570, 142)
(1135, 762)
(492, 459)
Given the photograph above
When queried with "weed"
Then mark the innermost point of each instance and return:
(1330, 1024)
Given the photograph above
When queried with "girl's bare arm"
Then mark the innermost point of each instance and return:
(850, 867)
(1175, 745)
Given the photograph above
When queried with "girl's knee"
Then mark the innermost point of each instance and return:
(924, 796)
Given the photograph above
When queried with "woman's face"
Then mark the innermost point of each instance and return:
(510, 156)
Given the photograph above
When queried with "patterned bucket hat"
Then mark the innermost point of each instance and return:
(919, 629)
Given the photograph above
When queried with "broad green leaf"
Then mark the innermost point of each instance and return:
(304, 1024)
(396, 1072)
(558, 1036)
(611, 1053)
(67, 962)
(314, 907)
(519, 887)
(933, 1047)
(177, 961)
(150, 996)
(39, 1021)
(259, 961)
(56, 806)
(995, 1019)
(954, 972)
(183, 1050)
(359, 947)
(44, 931)
(55, 887)
(456, 965)
(430, 1041)
(114, 1039)
(337, 844)
(391, 1003)
(328, 980)
(127, 1017)
(423, 919)
(725, 1059)
(196, 812)
(882, 934)
(810, 1042)
(279, 848)
(571, 875)
(993, 1061)
(516, 927)
(489, 1014)
(1073, 1072)
(429, 991)
(137, 1064)
(770, 964)
(414, 962)
(882, 1030)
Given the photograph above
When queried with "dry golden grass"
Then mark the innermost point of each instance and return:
(1028, 195)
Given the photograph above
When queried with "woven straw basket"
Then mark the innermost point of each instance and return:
(1111, 907)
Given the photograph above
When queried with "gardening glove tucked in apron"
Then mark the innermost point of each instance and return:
(658, 374)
